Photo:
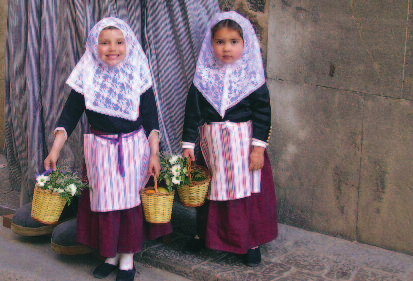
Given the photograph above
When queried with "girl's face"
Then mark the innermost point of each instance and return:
(228, 45)
(111, 46)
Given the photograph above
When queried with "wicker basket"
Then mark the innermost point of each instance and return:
(157, 207)
(194, 195)
(46, 206)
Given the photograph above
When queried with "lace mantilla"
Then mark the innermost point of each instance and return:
(224, 85)
(113, 91)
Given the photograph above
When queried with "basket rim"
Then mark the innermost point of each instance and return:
(156, 194)
(205, 180)
(39, 189)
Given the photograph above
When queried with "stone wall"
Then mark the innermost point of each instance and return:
(3, 36)
(341, 149)
(341, 90)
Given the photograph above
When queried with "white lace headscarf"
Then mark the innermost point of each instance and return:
(224, 85)
(112, 91)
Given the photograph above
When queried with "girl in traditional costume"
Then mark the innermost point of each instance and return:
(113, 85)
(229, 104)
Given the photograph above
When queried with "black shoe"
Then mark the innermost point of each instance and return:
(126, 275)
(194, 245)
(103, 270)
(253, 257)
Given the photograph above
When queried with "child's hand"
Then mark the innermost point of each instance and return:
(257, 158)
(154, 165)
(50, 161)
(188, 152)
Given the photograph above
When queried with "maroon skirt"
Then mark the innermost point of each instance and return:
(117, 231)
(238, 225)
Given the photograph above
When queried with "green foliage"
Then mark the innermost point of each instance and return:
(198, 175)
(62, 181)
(174, 170)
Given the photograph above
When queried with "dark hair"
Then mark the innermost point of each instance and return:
(110, 27)
(228, 24)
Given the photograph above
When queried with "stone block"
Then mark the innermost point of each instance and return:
(7, 219)
(386, 184)
(351, 45)
(3, 37)
(407, 91)
(2, 114)
(315, 153)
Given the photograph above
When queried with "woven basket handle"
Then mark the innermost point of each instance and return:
(156, 184)
(189, 168)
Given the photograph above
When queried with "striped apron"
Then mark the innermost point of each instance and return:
(117, 169)
(226, 149)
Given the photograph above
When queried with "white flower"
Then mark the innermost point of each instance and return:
(71, 188)
(59, 190)
(176, 170)
(173, 159)
(42, 179)
(176, 180)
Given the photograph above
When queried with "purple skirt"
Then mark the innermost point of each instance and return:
(117, 231)
(238, 225)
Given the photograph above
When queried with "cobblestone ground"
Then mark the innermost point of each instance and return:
(296, 255)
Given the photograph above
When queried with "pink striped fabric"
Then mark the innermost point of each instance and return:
(112, 191)
(226, 149)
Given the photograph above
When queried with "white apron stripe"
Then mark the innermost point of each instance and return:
(226, 149)
(112, 189)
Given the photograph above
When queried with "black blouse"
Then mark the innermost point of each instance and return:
(75, 106)
(255, 107)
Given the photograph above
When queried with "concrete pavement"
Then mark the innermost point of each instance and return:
(31, 258)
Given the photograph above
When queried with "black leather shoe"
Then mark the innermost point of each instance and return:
(126, 275)
(194, 245)
(253, 257)
(103, 270)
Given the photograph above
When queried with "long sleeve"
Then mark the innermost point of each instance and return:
(261, 114)
(193, 117)
(71, 113)
(148, 112)
(75, 106)
(255, 107)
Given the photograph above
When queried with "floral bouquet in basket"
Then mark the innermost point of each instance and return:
(174, 170)
(67, 184)
(191, 181)
(52, 191)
